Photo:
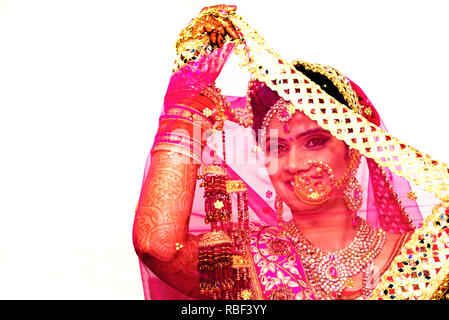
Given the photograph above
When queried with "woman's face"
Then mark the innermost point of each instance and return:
(288, 153)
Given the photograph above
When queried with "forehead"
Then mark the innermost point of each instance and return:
(299, 123)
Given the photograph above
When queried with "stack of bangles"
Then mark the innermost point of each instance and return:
(181, 130)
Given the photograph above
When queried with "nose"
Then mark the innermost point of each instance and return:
(296, 161)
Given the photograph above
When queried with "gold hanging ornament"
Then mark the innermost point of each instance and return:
(223, 261)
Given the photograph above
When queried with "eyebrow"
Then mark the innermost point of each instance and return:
(302, 134)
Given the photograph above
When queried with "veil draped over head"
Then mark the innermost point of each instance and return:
(388, 169)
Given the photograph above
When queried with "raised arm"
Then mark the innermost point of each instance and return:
(161, 227)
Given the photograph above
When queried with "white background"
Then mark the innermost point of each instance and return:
(81, 86)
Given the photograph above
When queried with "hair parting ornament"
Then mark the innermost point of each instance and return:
(283, 111)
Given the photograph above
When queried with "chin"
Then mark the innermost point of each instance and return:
(296, 205)
(288, 196)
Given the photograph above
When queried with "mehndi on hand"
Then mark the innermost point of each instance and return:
(213, 22)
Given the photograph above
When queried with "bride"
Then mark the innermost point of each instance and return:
(322, 194)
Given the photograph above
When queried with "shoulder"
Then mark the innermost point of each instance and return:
(395, 241)
(392, 247)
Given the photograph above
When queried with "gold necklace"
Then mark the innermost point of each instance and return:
(331, 272)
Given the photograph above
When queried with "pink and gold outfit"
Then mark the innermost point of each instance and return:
(418, 266)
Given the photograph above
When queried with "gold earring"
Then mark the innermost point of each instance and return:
(352, 195)
(279, 206)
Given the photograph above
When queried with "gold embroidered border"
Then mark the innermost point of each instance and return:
(421, 270)
(306, 96)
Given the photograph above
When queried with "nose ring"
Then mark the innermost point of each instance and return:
(310, 188)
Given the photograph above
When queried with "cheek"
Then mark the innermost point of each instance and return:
(273, 164)
(279, 186)
(274, 173)
(336, 157)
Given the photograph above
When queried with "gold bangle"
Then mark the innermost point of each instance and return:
(186, 142)
(189, 112)
(188, 122)
(192, 118)
(167, 146)
(179, 138)
(189, 115)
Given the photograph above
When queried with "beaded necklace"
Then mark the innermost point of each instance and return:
(331, 272)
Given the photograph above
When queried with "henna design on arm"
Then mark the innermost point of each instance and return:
(162, 220)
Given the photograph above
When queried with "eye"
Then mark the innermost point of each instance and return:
(316, 141)
(277, 148)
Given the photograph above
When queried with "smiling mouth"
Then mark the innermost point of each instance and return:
(290, 184)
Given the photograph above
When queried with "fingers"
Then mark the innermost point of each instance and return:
(198, 29)
(220, 40)
(230, 29)
(212, 24)
(223, 27)
(209, 26)
(217, 27)
(225, 7)
(221, 7)
(213, 37)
